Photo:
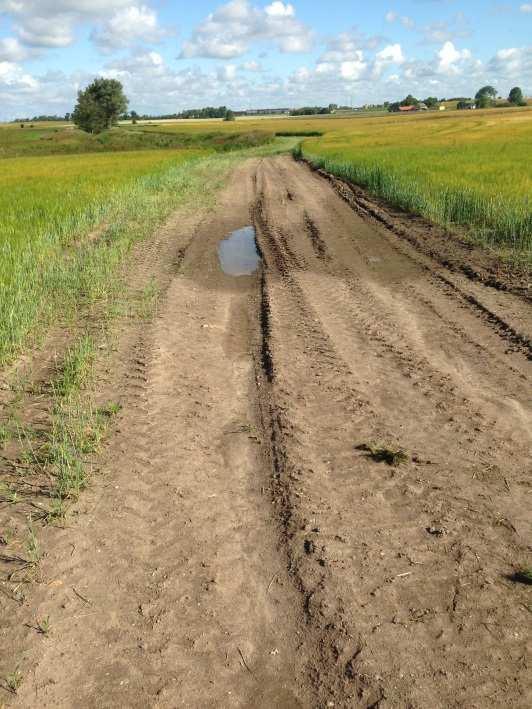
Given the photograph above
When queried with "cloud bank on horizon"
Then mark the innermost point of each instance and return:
(251, 54)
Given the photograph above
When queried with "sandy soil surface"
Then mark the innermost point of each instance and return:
(242, 546)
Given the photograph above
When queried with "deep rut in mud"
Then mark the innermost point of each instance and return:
(244, 547)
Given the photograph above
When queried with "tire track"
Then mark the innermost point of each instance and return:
(350, 339)
(243, 549)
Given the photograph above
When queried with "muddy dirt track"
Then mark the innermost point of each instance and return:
(243, 548)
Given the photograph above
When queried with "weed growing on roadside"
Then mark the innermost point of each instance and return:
(76, 369)
(77, 431)
(43, 626)
(8, 534)
(5, 435)
(383, 454)
(112, 408)
(14, 680)
(32, 544)
(56, 512)
(8, 495)
(147, 299)
(523, 575)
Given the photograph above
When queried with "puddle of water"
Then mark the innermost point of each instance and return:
(238, 253)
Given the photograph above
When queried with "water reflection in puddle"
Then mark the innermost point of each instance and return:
(238, 253)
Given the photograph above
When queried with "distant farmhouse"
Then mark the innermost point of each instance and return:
(413, 109)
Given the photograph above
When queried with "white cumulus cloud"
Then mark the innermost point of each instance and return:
(279, 9)
(390, 55)
(513, 63)
(13, 77)
(11, 50)
(353, 70)
(128, 25)
(450, 58)
(230, 30)
(52, 24)
(227, 72)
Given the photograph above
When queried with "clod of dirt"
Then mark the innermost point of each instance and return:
(310, 547)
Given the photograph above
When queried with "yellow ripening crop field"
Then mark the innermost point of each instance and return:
(466, 168)
(471, 169)
(486, 150)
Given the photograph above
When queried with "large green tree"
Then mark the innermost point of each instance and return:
(489, 91)
(516, 97)
(431, 102)
(99, 105)
(485, 96)
(410, 101)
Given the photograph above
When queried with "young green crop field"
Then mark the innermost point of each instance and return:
(48, 208)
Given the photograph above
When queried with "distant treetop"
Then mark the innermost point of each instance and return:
(486, 91)
(516, 97)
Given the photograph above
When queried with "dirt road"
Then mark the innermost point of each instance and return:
(243, 547)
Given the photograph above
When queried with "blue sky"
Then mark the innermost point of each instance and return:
(246, 53)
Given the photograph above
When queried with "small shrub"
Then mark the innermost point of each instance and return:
(523, 575)
(383, 454)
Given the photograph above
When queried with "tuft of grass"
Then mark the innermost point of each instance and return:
(8, 533)
(297, 151)
(110, 409)
(7, 494)
(77, 430)
(14, 680)
(43, 626)
(5, 435)
(147, 299)
(76, 369)
(56, 512)
(383, 454)
(32, 544)
(75, 433)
